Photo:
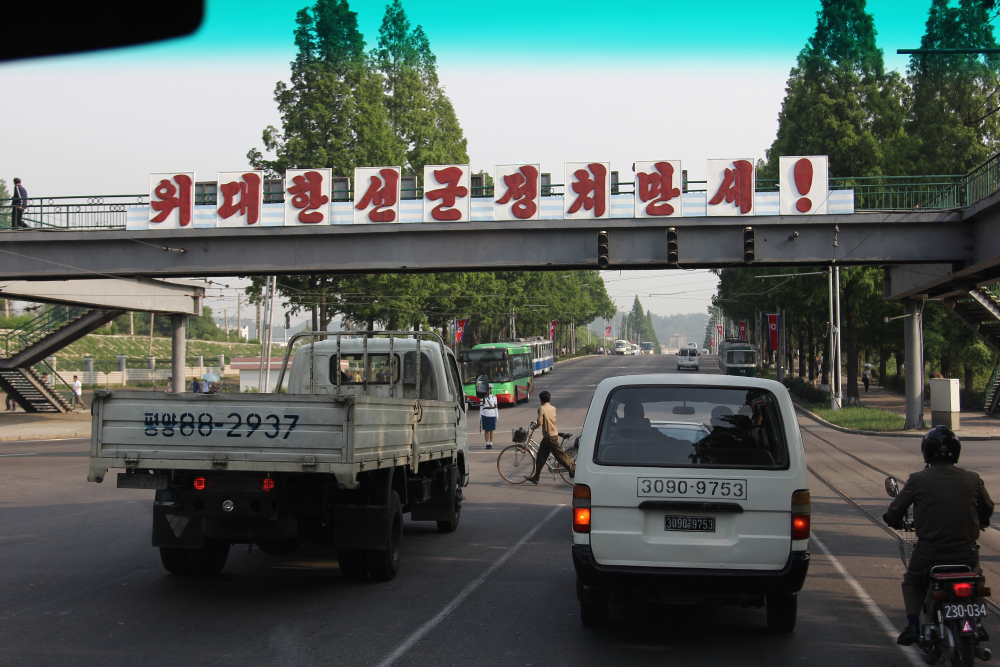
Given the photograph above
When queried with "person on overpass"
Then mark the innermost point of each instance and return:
(18, 201)
(951, 507)
(550, 439)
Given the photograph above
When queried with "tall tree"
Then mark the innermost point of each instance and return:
(954, 121)
(839, 100)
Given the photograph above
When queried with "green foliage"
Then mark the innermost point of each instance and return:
(804, 391)
(861, 418)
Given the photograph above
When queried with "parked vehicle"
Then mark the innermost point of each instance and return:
(951, 619)
(687, 357)
(691, 489)
(364, 435)
(737, 357)
(507, 365)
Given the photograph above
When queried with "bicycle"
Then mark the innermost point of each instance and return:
(517, 461)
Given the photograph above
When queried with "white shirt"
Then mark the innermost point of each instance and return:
(489, 407)
(78, 388)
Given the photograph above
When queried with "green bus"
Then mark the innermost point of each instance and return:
(507, 365)
(737, 357)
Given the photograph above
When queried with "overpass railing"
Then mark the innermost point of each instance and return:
(100, 212)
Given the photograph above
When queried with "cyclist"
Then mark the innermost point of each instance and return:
(550, 439)
(950, 506)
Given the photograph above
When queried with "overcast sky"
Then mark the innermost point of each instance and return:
(563, 81)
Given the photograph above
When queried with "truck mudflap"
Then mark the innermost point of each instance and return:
(361, 526)
(172, 529)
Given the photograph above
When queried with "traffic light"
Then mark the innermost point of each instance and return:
(748, 253)
(602, 249)
(672, 245)
(288, 320)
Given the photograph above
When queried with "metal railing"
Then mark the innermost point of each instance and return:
(100, 212)
(40, 327)
(57, 383)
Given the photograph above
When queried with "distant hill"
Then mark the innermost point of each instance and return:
(690, 325)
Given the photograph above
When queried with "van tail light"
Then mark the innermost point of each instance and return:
(581, 519)
(801, 509)
(199, 483)
(962, 589)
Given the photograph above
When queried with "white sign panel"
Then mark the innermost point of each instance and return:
(447, 195)
(658, 189)
(731, 185)
(307, 197)
(376, 194)
(239, 196)
(515, 192)
(804, 185)
(587, 190)
(171, 200)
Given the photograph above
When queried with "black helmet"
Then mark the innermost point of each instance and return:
(482, 386)
(940, 444)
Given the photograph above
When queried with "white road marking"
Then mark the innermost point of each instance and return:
(883, 621)
(408, 643)
(31, 454)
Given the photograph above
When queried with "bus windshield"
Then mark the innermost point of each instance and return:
(737, 357)
(491, 363)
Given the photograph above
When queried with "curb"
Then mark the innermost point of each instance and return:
(913, 433)
(46, 436)
(583, 356)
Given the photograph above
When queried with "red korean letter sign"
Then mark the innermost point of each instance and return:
(307, 197)
(731, 185)
(446, 193)
(804, 185)
(515, 192)
(239, 198)
(376, 194)
(171, 200)
(588, 190)
(658, 189)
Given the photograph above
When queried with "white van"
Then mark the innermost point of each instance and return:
(691, 489)
(687, 357)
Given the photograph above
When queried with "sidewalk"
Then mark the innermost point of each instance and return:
(970, 423)
(34, 426)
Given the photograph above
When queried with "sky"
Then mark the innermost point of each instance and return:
(556, 82)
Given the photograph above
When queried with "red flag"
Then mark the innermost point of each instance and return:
(743, 330)
(552, 330)
(772, 327)
(607, 331)
(460, 330)
(720, 338)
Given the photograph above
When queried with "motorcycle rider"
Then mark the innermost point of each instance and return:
(950, 506)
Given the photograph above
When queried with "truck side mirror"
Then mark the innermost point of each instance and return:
(891, 487)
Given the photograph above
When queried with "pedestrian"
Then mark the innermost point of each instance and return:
(550, 439)
(488, 415)
(170, 384)
(17, 203)
(866, 377)
(46, 380)
(206, 387)
(77, 393)
(195, 386)
(11, 404)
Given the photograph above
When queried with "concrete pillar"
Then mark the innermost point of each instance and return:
(151, 363)
(199, 361)
(221, 361)
(52, 362)
(913, 336)
(121, 363)
(178, 351)
(88, 369)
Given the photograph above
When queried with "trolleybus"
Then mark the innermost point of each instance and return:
(738, 357)
(508, 367)
(647, 348)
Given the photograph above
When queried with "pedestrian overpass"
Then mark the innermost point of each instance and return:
(937, 236)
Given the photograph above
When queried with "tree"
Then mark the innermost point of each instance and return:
(839, 101)
(954, 122)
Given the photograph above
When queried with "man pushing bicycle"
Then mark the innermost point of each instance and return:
(550, 439)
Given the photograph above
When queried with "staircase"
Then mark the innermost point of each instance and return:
(980, 309)
(42, 337)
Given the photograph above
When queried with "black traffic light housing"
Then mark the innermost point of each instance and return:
(602, 250)
(748, 250)
(672, 245)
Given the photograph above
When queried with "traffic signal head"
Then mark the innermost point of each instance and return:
(602, 250)
(672, 245)
(748, 250)
(288, 320)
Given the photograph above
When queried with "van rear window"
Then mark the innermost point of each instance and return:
(692, 427)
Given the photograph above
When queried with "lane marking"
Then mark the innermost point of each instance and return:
(31, 454)
(880, 618)
(408, 643)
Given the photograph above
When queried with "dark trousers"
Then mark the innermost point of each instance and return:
(914, 584)
(547, 447)
(865, 380)
(16, 215)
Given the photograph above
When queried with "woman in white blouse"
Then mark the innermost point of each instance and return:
(488, 414)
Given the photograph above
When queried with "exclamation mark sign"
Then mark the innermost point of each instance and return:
(803, 181)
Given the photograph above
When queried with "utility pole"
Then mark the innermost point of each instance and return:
(150, 353)
(225, 316)
(836, 305)
(239, 317)
(832, 346)
(131, 323)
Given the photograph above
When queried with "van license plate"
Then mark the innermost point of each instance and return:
(127, 481)
(970, 610)
(690, 524)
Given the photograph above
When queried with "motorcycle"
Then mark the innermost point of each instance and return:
(951, 619)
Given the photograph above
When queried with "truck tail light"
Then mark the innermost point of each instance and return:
(801, 509)
(268, 484)
(581, 495)
(581, 519)
(962, 589)
(199, 483)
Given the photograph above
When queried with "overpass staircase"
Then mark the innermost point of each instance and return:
(979, 308)
(23, 365)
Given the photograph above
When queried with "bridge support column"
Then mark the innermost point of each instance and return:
(914, 344)
(178, 351)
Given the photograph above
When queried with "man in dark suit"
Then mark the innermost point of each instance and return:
(17, 204)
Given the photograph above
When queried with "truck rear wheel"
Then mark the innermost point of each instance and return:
(384, 563)
(450, 525)
(211, 558)
(353, 563)
(176, 561)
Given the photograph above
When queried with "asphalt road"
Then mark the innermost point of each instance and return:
(80, 585)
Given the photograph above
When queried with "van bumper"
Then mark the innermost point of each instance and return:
(788, 579)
